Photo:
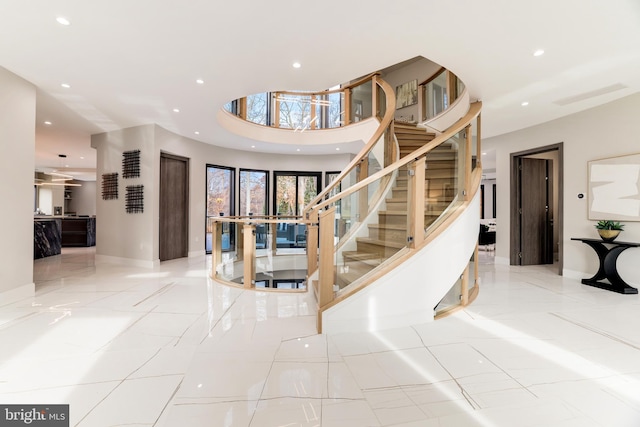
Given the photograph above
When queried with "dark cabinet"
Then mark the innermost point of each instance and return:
(78, 232)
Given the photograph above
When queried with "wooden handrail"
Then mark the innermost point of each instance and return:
(384, 124)
(473, 112)
(261, 219)
(329, 91)
(433, 76)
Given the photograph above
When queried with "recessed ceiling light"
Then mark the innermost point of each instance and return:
(63, 21)
(297, 149)
(253, 146)
(176, 110)
(296, 65)
(338, 149)
(82, 157)
(538, 52)
(484, 154)
(200, 81)
(197, 133)
(65, 85)
(525, 103)
(47, 123)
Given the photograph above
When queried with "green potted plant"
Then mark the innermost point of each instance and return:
(608, 229)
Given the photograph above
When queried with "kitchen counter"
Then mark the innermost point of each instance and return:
(47, 236)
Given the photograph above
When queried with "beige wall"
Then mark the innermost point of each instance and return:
(606, 131)
(17, 136)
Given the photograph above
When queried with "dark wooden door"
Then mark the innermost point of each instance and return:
(536, 195)
(174, 207)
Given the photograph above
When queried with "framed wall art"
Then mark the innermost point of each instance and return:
(407, 94)
(614, 188)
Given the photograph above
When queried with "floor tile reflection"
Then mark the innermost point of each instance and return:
(168, 347)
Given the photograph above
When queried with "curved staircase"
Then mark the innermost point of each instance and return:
(389, 234)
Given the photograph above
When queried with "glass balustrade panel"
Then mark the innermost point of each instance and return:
(451, 299)
(295, 111)
(361, 102)
(435, 96)
(474, 144)
(376, 229)
(257, 108)
(227, 269)
(382, 102)
(444, 180)
(329, 111)
(276, 268)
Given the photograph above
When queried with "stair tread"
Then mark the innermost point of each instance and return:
(384, 243)
(388, 226)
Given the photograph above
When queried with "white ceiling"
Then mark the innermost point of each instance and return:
(132, 62)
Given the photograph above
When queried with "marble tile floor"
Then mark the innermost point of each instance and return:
(169, 347)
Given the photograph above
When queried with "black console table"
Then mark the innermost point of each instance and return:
(608, 253)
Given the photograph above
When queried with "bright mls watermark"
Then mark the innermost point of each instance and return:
(34, 415)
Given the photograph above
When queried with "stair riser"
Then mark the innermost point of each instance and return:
(399, 236)
(387, 219)
(380, 251)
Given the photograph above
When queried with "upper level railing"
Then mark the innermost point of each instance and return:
(303, 111)
(438, 92)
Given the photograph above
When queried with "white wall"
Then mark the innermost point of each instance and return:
(606, 131)
(83, 198)
(17, 139)
(122, 236)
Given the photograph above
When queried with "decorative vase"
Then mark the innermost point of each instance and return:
(608, 235)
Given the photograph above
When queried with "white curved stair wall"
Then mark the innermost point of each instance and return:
(408, 294)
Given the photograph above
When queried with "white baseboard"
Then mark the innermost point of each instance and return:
(501, 260)
(572, 274)
(16, 294)
(107, 259)
(194, 254)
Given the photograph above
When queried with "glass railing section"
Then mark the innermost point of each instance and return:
(445, 180)
(361, 102)
(476, 152)
(257, 108)
(380, 156)
(434, 96)
(451, 299)
(293, 111)
(381, 102)
(329, 110)
(372, 230)
(459, 293)
(270, 253)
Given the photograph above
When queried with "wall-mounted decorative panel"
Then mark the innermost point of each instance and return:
(614, 188)
(110, 186)
(134, 198)
(131, 164)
